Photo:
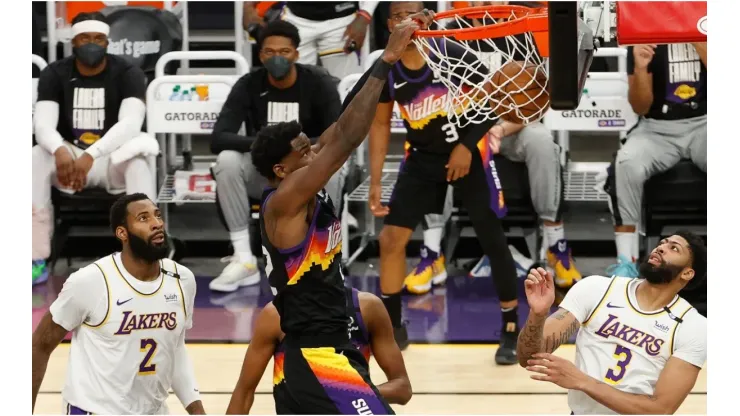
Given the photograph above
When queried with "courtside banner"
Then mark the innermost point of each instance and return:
(678, 22)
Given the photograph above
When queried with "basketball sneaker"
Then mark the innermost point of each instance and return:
(237, 274)
(624, 267)
(506, 352)
(430, 271)
(39, 271)
(560, 259)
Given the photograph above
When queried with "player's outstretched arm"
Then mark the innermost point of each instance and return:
(46, 337)
(351, 128)
(261, 348)
(385, 349)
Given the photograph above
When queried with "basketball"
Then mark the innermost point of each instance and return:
(522, 94)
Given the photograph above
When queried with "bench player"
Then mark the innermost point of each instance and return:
(640, 346)
(128, 313)
(302, 244)
(439, 154)
(371, 333)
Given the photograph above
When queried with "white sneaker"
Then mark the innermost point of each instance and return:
(235, 275)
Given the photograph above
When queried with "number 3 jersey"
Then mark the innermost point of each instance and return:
(307, 279)
(625, 346)
(125, 335)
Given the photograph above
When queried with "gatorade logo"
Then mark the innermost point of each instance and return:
(701, 25)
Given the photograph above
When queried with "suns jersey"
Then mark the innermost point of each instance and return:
(307, 279)
(125, 333)
(624, 346)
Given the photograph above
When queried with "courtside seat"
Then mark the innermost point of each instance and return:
(675, 199)
(89, 208)
(521, 220)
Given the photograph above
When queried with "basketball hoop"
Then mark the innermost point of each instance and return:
(497, 69)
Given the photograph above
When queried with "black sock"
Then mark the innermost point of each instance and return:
(509, 315)
(393, 306)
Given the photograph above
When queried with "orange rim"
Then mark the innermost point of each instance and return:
(525, 20)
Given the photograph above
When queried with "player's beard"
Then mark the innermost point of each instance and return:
(148, 251)
(659, 275)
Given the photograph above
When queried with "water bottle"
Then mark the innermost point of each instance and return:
(193, 95)
(185, 96)
(175, 93)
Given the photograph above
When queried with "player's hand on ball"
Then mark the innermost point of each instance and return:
(373, 200)
(643, 55)
(458, 165)
(540, 289)
(556, 370)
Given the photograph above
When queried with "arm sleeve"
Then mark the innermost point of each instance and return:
(130, 119)
(83, 298)
(184, 383)
(583, 297)
(691, 339)
(234, 112)
(45, 122)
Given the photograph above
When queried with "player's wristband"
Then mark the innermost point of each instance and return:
(365, 14)
(381, 69)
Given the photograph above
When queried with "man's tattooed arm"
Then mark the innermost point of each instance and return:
(543, 334)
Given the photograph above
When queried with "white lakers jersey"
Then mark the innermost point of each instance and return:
(624, 346)
(125, 334)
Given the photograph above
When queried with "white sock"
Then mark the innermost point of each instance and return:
(625, 244)
(240, 241)
(433, 239)
(553, 234)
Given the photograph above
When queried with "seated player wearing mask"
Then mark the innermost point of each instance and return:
(281, 91)
(87, 123)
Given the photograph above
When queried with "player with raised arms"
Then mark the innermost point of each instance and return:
(128, 313)
(302, 242)
(371, 333)
(640, 347)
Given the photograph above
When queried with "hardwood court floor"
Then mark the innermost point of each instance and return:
(447, 379)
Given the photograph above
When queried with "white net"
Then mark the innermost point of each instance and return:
(488, 78)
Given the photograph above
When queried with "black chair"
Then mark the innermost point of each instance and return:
(673, 200)
(521, 220)
(88, 208)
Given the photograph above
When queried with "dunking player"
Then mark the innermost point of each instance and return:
(640, 347)
(302, 242)
(371, 333)
(128, 345)
(439, 154)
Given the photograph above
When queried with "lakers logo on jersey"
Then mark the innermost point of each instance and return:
(131, 322)
(613, 328)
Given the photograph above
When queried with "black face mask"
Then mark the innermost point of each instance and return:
(278, 67)
(146, 250)
(90, 54)
(658, 275)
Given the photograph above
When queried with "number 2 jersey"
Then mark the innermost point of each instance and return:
(624, 346)
(126, 336)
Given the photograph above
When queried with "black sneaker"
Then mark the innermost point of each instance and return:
(506, 353)
(402, 336)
